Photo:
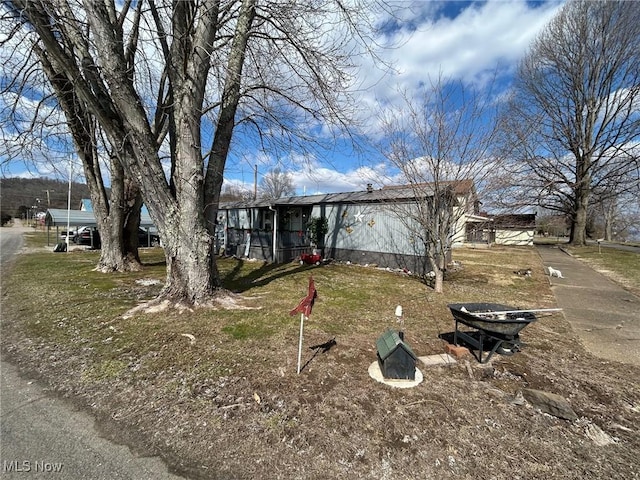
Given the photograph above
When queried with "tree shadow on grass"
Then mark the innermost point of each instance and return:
(265, 274)
(155, 263)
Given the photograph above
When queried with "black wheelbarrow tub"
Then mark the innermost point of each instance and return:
(492, 318)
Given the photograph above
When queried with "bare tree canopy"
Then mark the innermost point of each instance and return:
(276, 184)
(170, 82)
(573, 125)
(439, 146)
(234, 193)
(43, 123)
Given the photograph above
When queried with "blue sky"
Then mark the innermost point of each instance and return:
(467, 42)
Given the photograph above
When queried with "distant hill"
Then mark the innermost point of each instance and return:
(17, 195)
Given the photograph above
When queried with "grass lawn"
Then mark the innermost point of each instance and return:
(620, 265)
(215, 391)
(86, 306)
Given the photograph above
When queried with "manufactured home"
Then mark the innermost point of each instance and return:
(364, 227)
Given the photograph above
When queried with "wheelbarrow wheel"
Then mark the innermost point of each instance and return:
(508, 349)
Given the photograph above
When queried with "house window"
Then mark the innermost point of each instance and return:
(266, 222)
(294, 220)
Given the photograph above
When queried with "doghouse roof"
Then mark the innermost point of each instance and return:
(389, 342)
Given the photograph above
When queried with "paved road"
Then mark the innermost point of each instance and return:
(603, 314)
(44, 437)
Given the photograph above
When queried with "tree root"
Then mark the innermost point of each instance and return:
(222, 300)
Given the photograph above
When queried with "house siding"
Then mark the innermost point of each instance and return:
(362, 233)
(514, 237)
(364, 227)
(368, 228)
(370, 234)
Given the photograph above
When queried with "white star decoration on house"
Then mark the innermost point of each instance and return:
(359, 216)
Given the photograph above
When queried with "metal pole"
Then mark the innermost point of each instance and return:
(300, 341)
(255, 182)
(275, 236)
(69, 202)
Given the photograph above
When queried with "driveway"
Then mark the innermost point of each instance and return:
(604, 315)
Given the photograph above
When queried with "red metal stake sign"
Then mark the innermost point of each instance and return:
(304, 307)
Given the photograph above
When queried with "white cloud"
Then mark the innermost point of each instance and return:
(470, 45)
(321, 179)
(479, 39)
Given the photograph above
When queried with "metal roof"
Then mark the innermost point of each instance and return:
(522, 220)
(350, 197)
(58, 217)
(383, 195)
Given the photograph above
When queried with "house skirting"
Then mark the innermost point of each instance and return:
(261, 249)
(415, 264)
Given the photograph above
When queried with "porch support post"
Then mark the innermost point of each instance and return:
(275, 234)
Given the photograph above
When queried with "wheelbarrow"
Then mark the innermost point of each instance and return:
(495, 327)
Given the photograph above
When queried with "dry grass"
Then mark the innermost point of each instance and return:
(619, 265)
(215, 392)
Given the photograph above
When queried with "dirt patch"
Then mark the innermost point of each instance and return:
(334, 421)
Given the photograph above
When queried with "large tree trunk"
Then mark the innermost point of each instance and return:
(189, 278)
(114, 255)
(582, 193)
(608, 228)
(578, 235)
(118, 251)
(188, 245)
(609, 208)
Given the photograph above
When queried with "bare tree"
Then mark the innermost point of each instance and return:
(439, 147)
(614, 218)
(235, 193)
(202, 68)
(276, 184)
(573, 120)
(117, 209)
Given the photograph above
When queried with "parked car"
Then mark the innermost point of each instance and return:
(63, 235)
(148, 240)
(87, 236)
(84, 235)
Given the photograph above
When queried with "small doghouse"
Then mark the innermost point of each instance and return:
(395, 357)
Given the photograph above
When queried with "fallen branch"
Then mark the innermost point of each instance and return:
(234, 405)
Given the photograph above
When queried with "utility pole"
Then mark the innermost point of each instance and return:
(49, 198)
(255, 182)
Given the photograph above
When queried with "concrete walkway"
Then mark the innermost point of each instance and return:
(604, 315)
